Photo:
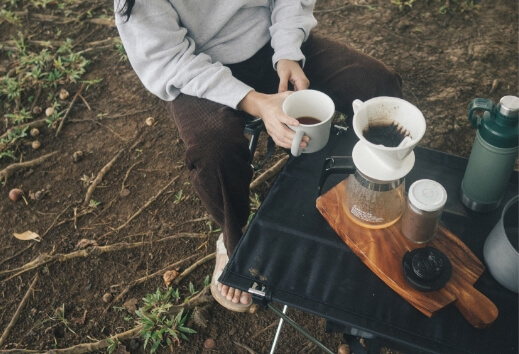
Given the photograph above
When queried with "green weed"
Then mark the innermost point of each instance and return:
(158, 324)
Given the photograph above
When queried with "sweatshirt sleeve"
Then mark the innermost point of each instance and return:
(164, 57)
(292, 21)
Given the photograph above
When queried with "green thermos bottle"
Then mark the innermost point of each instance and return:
(493, 154)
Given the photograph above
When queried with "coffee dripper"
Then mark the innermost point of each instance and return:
(375, 189)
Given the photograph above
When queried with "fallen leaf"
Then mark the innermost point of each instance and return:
(28, 235)
(169, 276)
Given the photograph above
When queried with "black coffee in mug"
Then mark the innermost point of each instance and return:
(308, 120)
(387, 133)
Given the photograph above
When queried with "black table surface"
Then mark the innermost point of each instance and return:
(291, 251)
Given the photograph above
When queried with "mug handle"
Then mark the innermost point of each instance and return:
(295, 150)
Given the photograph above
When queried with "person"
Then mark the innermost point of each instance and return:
(217, 63)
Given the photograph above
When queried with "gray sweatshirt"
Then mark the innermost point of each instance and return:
(179, 46)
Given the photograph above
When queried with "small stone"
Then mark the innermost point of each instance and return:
(150, 121)
(37, 110)
(209, 343)
(77, 156)
(63, 94)
(107, 297)
(169, 276)
(131, 305)
(35, 132)
(125, 192)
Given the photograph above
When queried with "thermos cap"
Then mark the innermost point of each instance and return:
(509, 106)
(427, 195)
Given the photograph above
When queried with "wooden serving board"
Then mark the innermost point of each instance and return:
(382, 251)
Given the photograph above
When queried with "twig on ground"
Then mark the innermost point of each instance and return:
(141, 209)
(142, 280)
(199, 299)
(100, 176)
(265, 176)
(9, 170)
(18, 311)
(203, 218)
(45, 258)
(17, 254)
(243, 346)
(68, 109)
(195, 265)
(273, 324)
(128, 174)
(111, 131)
(103, 343)
(55, 220)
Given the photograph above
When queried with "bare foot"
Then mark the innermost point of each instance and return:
(235, 295)
(232, 294)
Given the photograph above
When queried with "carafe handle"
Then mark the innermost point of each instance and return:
(335, 165)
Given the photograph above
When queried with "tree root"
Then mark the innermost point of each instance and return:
(141, 209)
(18, 311)
(243, 346)
(142, 280)
(195, 265)
(45, 258)
(265, 176)
(199, 299)
(100, 176)
(9, 170)
(103, 343)
(68, 109)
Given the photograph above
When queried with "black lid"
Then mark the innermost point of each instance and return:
(426, 269)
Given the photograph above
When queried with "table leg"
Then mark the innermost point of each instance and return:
(301, 330)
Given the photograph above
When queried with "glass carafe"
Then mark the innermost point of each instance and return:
(369, 203)
(374, 204)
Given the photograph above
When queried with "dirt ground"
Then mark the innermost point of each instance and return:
(148, 218)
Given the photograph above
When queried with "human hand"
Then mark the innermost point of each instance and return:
(291, 71)
(269, 109)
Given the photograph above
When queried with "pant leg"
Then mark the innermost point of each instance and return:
(346, 74)
(217, 155)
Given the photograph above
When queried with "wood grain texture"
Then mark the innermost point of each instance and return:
(382, 251)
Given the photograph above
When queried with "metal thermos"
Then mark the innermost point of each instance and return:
(493, 154)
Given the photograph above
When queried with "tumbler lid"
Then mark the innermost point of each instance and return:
(427, 195)
(509, 106)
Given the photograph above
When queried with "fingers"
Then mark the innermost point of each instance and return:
(284, 138)
(283, 81)
(290, 71)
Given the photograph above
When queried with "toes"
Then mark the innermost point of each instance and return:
(237, 296)
(245, 298)
(224, 289)
(230, 294)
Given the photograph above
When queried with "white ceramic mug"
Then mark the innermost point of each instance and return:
(501, 256)
(315, 104)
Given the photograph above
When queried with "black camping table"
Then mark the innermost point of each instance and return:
(291, 256)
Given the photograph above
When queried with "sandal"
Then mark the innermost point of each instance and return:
(221, 256)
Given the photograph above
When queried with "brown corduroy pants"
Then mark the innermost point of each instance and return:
(217, 152)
